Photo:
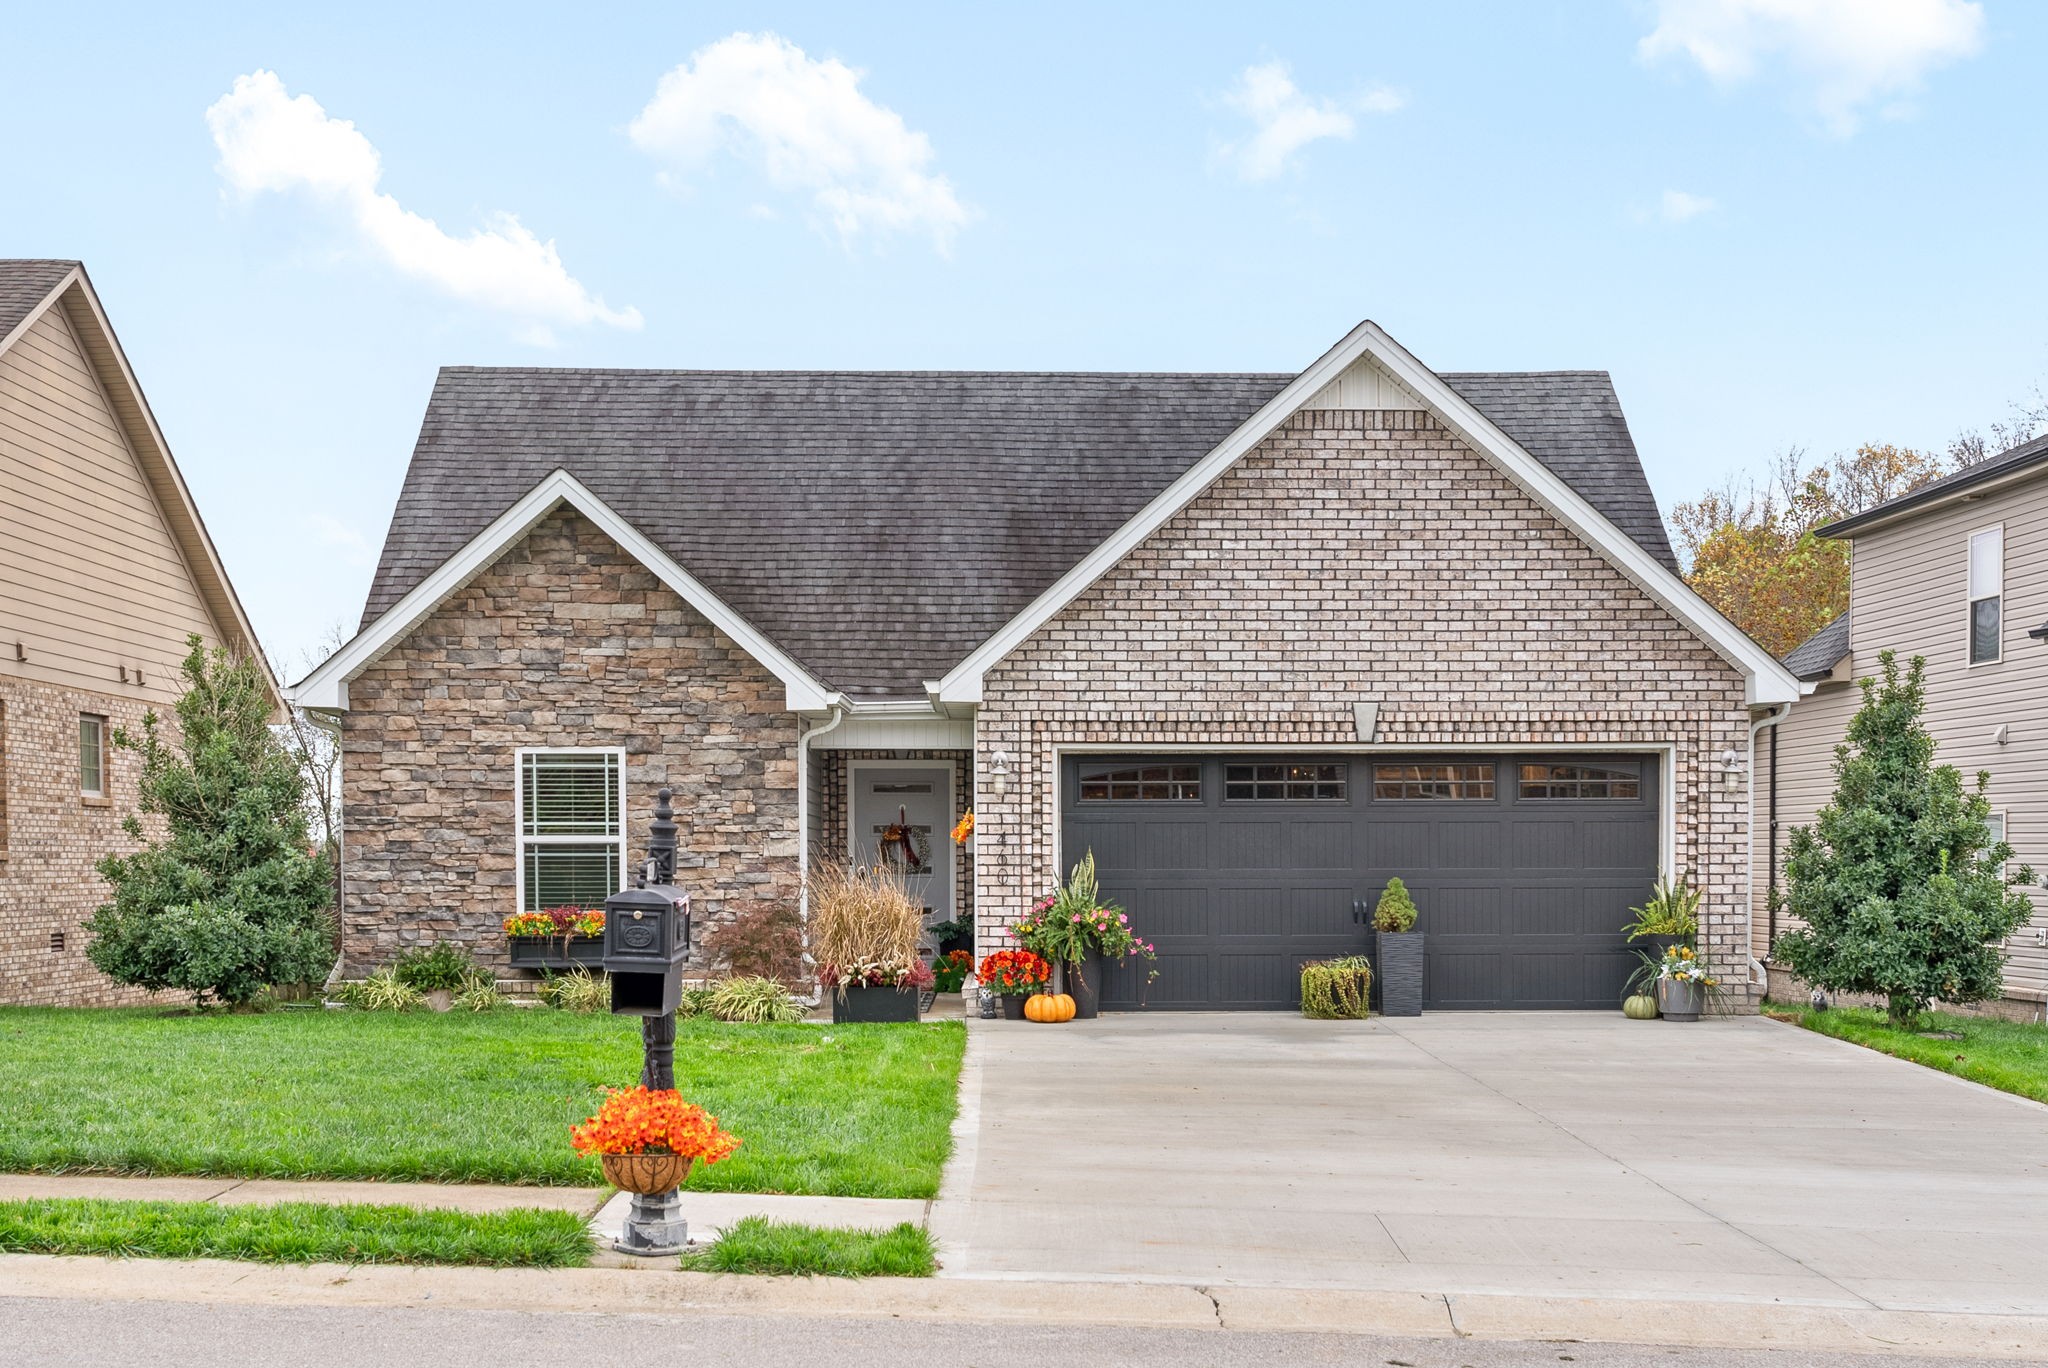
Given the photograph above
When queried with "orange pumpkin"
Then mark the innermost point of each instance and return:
(1054, 1007)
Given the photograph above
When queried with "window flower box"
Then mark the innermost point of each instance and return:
(560, 938)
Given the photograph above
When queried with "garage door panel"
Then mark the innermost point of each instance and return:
(1545, 844)
(1522, 900)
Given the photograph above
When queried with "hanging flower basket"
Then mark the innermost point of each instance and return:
(645, 1172)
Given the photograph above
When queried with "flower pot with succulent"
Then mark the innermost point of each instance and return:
(559, 938)
(1014, 975)
(864, 931)
(1074, 929)
(1683, 982)
(646, 1140)
(1400, 951)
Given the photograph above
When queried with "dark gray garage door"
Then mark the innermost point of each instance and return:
(1239, 868)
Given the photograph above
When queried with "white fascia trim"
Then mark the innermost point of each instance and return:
(1768, 681)
(327, 686)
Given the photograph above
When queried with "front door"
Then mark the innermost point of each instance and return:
(902, 815)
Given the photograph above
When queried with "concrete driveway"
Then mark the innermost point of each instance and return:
(1545, 1154)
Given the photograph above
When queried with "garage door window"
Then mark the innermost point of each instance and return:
(1402, 782)
(1142, 784)
(1284, 783)
(1579, 781)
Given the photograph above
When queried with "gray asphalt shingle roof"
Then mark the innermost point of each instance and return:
(25, 284)
(1817, 656)
(879, 526)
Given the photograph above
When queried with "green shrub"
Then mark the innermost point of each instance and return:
(695, 1002)
(579, 990)
(382, 991)
(1899, 885)
(445, 966)
(228, 901)
(753, 1000)
(1336, 990)
(1396, 910)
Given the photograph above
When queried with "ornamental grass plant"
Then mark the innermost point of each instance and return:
(864, 926)
(1336, 990)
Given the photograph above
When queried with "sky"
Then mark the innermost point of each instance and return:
(1777, 223)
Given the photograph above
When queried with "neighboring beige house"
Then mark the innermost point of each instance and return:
(1956, 571)
(105, 569)
(1259, 641)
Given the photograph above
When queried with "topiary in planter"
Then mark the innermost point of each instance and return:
(1336, 990)
(1396, 910)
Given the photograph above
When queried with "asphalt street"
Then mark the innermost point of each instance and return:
(53, 1333)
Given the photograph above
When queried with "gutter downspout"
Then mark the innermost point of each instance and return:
(803, 822)
(1758, 972)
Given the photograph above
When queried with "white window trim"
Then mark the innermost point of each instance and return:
(2004, 834)
(1970, 603)
(101, 791)
(520, 840)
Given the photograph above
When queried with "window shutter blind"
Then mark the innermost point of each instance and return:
(571, 795)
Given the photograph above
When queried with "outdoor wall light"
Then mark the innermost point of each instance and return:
(999, 772)
(1731, 768)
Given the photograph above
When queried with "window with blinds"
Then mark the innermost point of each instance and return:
(571, 829)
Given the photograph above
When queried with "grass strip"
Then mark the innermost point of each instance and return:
(756, 1244)
(2010, 1056)
(839, 1111)
(294, 1232)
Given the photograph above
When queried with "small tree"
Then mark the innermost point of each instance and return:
(1898, 881)
(1396, 910)
(232, 899)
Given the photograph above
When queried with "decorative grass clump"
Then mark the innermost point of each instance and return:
(1336, 990)
(756, 1244)
(294, 1232)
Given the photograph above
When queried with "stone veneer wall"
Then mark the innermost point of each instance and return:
(50, 838)
(565, 641)
(1366, 555)
(828, 817)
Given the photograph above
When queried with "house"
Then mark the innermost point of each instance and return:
(105, 569)
(1956, 571)
(1259, 641)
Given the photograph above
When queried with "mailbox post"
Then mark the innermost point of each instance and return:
(646, 944)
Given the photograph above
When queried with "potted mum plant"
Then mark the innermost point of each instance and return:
(1682, 984)
(1400, 947)
(1014, 975)
(559, 938)
(950, 973)
(1074, 929)
(864, 929)
(647, 1139)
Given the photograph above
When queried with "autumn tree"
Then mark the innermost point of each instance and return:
(1754, 552)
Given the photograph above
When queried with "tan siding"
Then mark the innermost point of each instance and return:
(90, 577)
(1909, 593)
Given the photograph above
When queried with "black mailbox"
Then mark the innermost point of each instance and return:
(646, 943)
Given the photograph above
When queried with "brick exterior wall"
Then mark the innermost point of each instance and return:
(1366, 555)
(50, 838)
(828, 819)
(565, 641)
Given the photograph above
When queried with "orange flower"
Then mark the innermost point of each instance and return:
(963, 828)
(640, 1121)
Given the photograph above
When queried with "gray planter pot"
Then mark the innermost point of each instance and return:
(879, 1004)
(554, 952)
(1399, 973)
(1680, 1001)
(1083, 979)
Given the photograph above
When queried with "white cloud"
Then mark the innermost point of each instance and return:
(1852, 52)
(1677, 206)
(351, 545)
(810, 130)
(1284, 120)
(270, 141)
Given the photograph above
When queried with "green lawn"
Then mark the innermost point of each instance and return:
(756, 1244)
(294, 1232)
(853, 1111)
(2007, 1055)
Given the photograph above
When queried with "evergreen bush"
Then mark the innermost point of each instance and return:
(1396, 910)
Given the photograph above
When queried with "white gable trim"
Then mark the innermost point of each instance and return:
(327, 687)
(1768, 681)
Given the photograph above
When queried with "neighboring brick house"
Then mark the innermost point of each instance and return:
(1258, 641)
(105, 569)
(1957, 572)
